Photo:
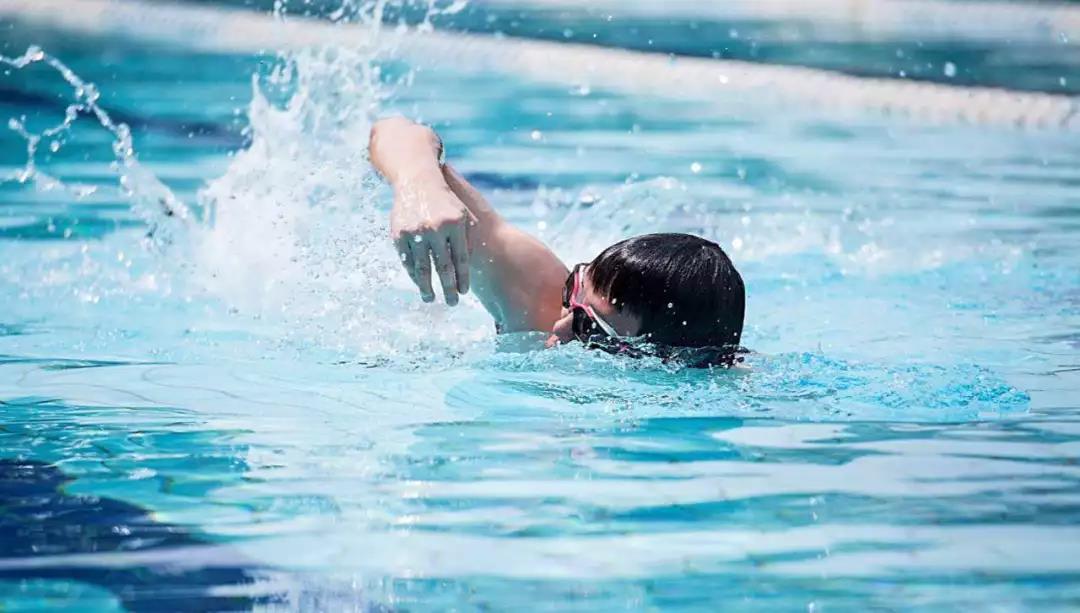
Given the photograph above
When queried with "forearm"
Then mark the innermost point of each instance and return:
(428, 223)
(405, 153)
(484, 219)
(515, 276)
(438, 217)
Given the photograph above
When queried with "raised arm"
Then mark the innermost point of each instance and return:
(438, 217)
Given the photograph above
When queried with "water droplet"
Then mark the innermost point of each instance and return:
(588, 198)
(737, 243)
(417, 239)
(695, 167)
(536, 135)
(950, 69)
(671, 305)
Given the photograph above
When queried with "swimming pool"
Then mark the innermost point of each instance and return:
(261, 413)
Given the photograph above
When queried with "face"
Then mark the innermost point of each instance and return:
(625, 323)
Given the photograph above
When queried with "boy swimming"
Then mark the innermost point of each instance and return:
(673, 295)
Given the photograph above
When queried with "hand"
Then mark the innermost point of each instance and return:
(430, 224)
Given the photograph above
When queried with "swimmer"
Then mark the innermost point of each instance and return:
(677, 296)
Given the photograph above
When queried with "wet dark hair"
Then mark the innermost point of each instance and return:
(685, 289)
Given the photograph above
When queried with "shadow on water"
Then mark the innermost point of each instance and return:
(38, 519)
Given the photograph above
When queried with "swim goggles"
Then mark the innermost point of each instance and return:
(586, 323)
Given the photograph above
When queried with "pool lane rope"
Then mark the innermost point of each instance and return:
(998, 21)
(226, 30)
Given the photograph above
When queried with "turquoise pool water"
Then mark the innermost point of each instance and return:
(261, 413)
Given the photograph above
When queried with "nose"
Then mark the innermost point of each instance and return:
(562, 331)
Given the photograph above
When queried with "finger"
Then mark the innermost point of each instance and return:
(405, 253)
(444, 264)
(408, 260)
(422, 271)
(459, 251)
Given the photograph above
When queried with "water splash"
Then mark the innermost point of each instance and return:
(294, 232)
(151, 200)
(298, 231)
